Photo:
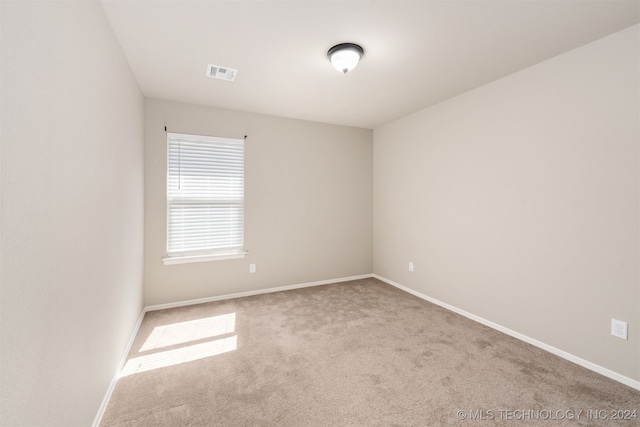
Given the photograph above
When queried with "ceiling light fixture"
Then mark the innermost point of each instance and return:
(345, 56)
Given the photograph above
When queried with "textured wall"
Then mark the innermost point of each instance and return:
(518, 201)
(308, 203)
(71, 237)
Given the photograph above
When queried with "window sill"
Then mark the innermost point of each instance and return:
(202, 258)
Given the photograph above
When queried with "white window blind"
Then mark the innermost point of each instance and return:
(205, 195)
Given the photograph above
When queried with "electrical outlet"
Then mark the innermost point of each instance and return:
(411, 267)
(619, 329)
(252, 268)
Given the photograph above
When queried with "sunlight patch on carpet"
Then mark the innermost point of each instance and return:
(193, 330)
(180, 355)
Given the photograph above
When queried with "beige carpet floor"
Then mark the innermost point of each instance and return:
(359, 353)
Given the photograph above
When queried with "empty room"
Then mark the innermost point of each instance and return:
(319, 213)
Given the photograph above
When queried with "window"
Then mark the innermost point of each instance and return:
(205, 198)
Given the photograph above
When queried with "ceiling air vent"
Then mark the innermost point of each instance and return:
(222, 73)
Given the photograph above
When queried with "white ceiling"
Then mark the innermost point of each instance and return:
(417, 53)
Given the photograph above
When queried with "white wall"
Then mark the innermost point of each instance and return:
(71, 236)
(308, 203)
(519, 201)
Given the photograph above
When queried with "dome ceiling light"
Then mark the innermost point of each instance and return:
(345, 56)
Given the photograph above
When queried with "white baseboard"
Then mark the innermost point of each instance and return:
(251, 293)
(114, 380)
(568, 356)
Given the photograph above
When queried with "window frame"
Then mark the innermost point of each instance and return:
(210, 254)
